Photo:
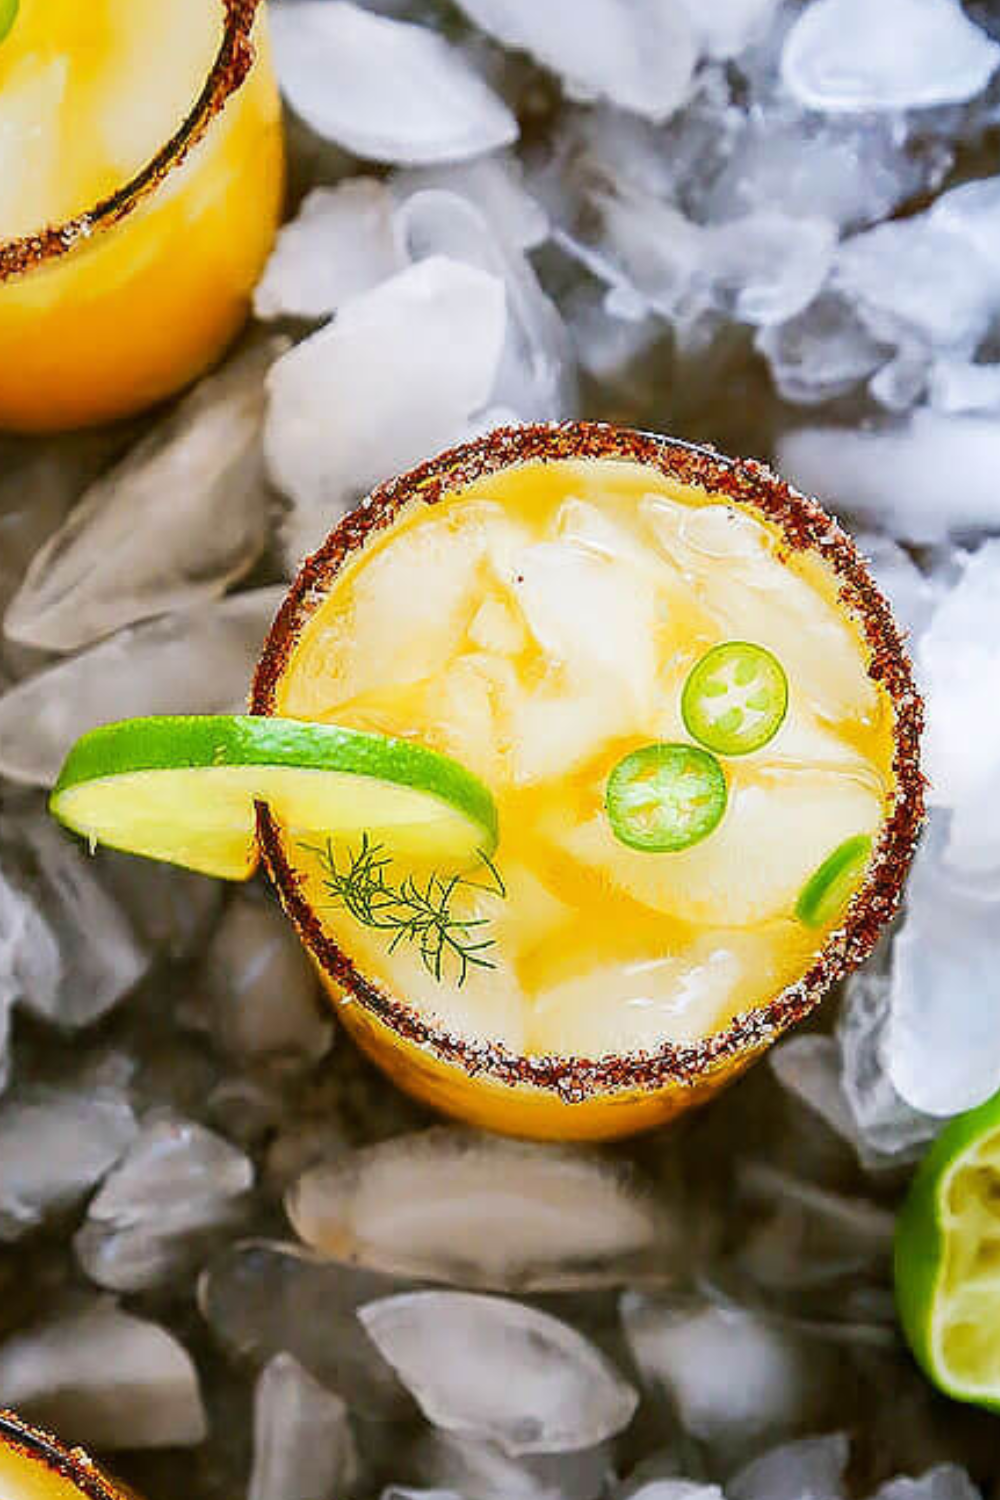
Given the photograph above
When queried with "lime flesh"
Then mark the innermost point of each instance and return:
(947, 1260)
(183, 790)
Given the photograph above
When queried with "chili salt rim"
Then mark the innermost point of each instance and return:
(71, 1464)
(805, 526)
(233, 61)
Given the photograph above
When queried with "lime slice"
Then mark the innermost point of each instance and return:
(948, 1259)
(735, 698)
(828, 889)
(183, 790)
(8, 15)
(665, 797)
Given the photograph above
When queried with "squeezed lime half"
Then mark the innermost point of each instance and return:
(184, 789)
(947, 1260)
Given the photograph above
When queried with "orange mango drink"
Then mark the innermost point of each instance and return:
(692, 708)
(141, 175)
(35, 1466)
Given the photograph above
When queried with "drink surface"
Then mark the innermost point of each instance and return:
(89, 94)
(539, 626)
(25, 1477)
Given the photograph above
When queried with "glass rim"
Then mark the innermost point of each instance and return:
(230, 68)
(71, 1464)
(807, 528)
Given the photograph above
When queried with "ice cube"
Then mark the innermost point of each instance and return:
(30, 963)
(265, 999)
(784, 821)
(483, 1471)
(100, 1376)
(737, 1378)
(637, 1004)
(822, 352)
(534, 377)
(31, 130)
(945, 1482)
(809, 1068)
(172, 526)
(397, 375)
(641, 58)
(341, 242)
(487, 1368)
(922, 480)
(886, 271)
(806, 1236)
(591, 616)
(384, 88)
(177, 1186)
(944, 1037)
(958, 653)
(145, 669)
(101, 960)
(303, 1445)
(957, 385)
(263, 1298)
(812, 1469)
(845, 55)
(448, 1205)
(758, 598)
(496, 185)
(766, 266)
(727, 27)
(888, 1128)
(55, 1145)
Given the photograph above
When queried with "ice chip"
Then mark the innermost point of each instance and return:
(639, 57)
(821, 352)
(397, 375)
(265, 999)
(727, 27)
(812, 1469)
(491, 1369)
(30, 961)
(101, 958)
(736, 1377)
(944, 1033)
(303, 1445)
(144, 669)
(477, 1211)
(56, 1144)
(901, 54)
(944, 1482)
(479, 1470)
(383, 88)
(263, 1298)
(888, 1128)
(171, 526)
(100, 1376)
(341, 242)
(176, 1188)
(922, 480)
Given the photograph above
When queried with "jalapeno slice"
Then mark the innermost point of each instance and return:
(735, 698)
(828, 889)
(665, 797)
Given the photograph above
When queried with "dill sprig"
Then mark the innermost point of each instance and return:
(417, 911)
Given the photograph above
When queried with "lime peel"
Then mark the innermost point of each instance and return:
(184, 789)
(8, 15)
(947, 1259)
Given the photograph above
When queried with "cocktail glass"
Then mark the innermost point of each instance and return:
(533, 603)
(35, 1466)
(121, 278)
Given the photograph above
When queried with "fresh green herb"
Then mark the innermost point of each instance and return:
(8, 15)
(414, 910)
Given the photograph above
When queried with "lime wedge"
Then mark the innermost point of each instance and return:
(183, 790)
(948, 1259)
